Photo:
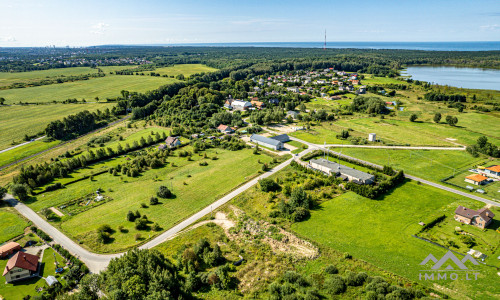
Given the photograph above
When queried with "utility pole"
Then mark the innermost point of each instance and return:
(324, 45)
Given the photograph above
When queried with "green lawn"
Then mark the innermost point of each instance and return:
(7, 78)
(428, 164)
(11, 225)
(380, 232)
(195, 187)
(17, 120)
(25, 151)
(49, 268)
(185, 69)
(103, 87)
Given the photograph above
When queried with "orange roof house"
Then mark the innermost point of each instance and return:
(476, 179)
(20, 266)
(495, 169)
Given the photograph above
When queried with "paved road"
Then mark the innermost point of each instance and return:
(99, 262)
(22, 144)
(437, 185)
(395, 147)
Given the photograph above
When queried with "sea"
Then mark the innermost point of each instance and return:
(428, 46)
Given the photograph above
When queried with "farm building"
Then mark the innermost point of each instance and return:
(9, 249)
(493, 171)
(372, 137)
(346, 173)
(266, 142)
(225, 129)
(282, 138)
(476, 179)
(241, 105)
(479, 218)
(20, 266)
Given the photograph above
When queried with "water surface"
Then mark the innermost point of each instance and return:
(470, 78)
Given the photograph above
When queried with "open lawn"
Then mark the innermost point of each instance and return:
(49, 268)
(103, 87)
(428, 164)
(17, 120)
(195, 187)
(11, 225)
(185, 69)
(7, 78)
(325, 132)
(380, 232)
(25, 151)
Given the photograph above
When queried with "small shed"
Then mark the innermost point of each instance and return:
(372, 137)
(51, 280)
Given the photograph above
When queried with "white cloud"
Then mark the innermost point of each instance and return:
(99, 28)
(7, 39)
(490, 27)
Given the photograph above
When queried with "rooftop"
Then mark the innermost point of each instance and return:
(343, 170)
(477, 177)
(264, 139)
(22, 260)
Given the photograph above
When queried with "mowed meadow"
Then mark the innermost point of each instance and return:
(9, 78)
(194, 186)
(16, 121)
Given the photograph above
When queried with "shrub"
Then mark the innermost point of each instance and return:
(141, 224)
(143, 205)
(413, 118)
(268, 185)
(300, 214)
(335, 285)
(130, 216)
(331, 269)
(153, 201)
(164, 192)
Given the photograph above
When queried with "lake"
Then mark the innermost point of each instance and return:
(470, 78)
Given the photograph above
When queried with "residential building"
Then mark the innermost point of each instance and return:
(274, 101)
(9, 249)
(476, 179)
(266, 142)
(172, 142)
(293, 89)
(241, 105)
(20, 266)
(479, 218)
(225, 129)
(493, 171)
(346, 173)
(257, 104)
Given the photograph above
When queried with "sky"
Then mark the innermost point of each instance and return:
(104, 22)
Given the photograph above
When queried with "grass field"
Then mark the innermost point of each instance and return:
(195, 187)
(185, 69)
(428, 164)
(380, 232)
(103, 87)
(11, 225)
(49, 268)
(25, 151)
(7, 78)
(17, 120)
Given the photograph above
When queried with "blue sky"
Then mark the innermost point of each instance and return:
(89, 22)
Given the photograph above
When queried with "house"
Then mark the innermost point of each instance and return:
(479, 218)
(346, 173)
(274, 101)
(372, 137)
(266, 142)
(292, 114)
(172, 142)
(493, 171)
(293, 89)
(282, 138)
(476, 179)
(225, 129)
(241, 105)
(258, 104)
(9, 249)
(228, 103)
(20, 266)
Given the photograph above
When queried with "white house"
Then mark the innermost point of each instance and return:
(241, 105)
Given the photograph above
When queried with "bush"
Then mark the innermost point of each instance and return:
(331, 269)
(141, 224)
(413, 118)
(153, 201)
(268, 185)
(300, 214)
(130, 216)
(164, 192)
(335, 285)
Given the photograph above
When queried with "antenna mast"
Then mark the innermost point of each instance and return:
(324, 46)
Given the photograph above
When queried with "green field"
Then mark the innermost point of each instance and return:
(7, 78)
(186, 69)
(11, 225)
(380, 232)
(49, 268)
(428, 164)
(17, 120)
(103, 87)
(25, 151)
(195, 187)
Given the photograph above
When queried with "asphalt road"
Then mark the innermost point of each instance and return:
(98, 262)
